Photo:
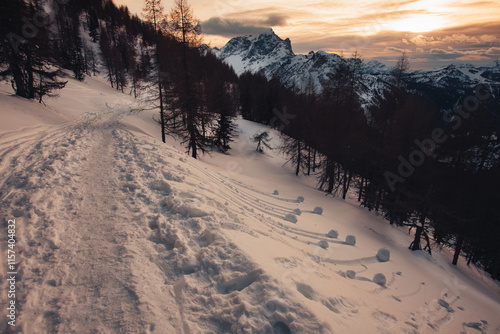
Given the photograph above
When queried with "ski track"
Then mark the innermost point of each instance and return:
(111, 241)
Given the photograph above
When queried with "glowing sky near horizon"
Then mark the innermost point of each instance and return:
(433, 33)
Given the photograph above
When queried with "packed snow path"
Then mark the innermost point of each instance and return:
(107, 245)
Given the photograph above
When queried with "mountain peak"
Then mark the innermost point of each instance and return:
(252, 53)
(269, 43)
(270, 32)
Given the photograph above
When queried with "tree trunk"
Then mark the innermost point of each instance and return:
(361, 186)
(314, 161)
(470, 256)
(31, 79)
(309, 161)
(347, 183)
(415, 245)
(192, 140)
(378, 200)
(20, 84)
(162, 117)
(458, 249)
(299, 158)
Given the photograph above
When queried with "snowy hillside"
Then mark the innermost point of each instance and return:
(117, 232)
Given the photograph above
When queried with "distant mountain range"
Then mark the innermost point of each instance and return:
(273, 56)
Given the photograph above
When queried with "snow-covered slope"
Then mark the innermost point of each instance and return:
(117, 232)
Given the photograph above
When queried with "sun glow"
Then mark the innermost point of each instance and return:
(417, 24)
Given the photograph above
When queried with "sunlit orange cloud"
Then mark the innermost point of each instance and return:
(379, 29)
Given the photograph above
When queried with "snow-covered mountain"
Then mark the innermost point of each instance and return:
(264, 52)
(466, 75)
(271, 55)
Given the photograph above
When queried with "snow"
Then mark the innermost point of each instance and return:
(350, 240)
(117, 232)
(379, 279)
(237, 63)
(318, 210)
(383, 255)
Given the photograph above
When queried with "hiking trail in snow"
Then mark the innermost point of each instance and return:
(108, 244)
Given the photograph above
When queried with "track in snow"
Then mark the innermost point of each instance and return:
(110, 239)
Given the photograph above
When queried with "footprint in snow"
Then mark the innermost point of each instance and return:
(281, 328)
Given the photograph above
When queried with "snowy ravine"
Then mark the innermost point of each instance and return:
(117, 232)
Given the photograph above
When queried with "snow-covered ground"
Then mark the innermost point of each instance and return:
(119, 233)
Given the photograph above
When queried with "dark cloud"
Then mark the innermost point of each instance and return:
(230, 28)
(276, 20)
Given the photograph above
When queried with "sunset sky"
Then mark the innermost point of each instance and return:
(432, 32)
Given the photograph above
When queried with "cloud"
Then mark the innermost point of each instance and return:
(398, 50)
(385, 16)
(475, 4)
(276, 20)
(488, 38)
(473, 58)
(494, 51)
(254, 23)
(422, 40)
(230, 28)
(440, 52)
(395, 4)
(269, 16)
(460, 38)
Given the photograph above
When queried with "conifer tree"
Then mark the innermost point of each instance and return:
(26, 56)
(153, 12)
(189, 86)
